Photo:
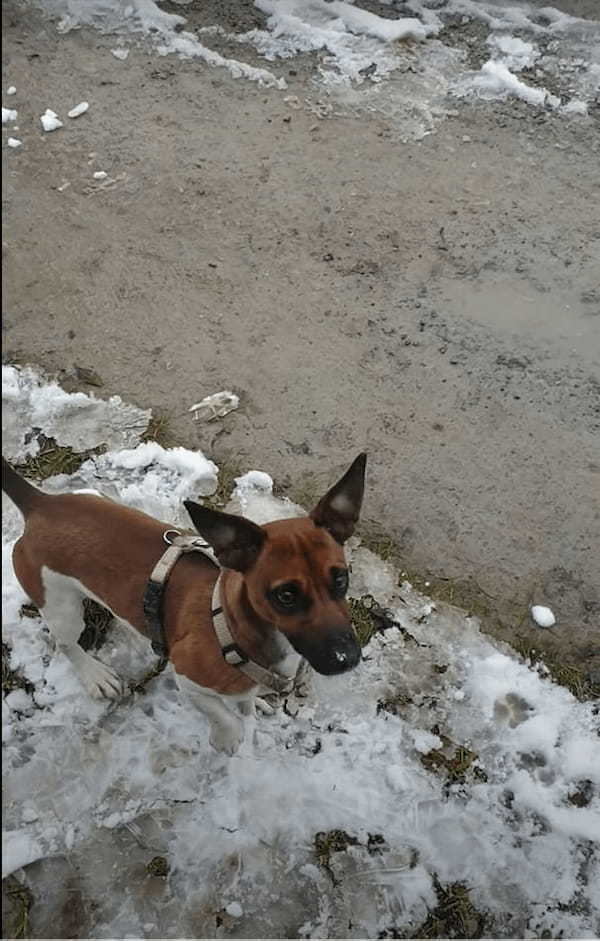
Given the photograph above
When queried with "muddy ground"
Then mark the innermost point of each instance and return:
(435, 302)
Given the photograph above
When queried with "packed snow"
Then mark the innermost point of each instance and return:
(94, 792)
(543, 616)
(50, 120)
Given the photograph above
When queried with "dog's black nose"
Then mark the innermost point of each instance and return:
(340, 652)
(334, 652)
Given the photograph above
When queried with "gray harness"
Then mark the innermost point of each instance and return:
(180, 543)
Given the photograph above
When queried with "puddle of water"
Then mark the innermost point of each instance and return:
(515, 307)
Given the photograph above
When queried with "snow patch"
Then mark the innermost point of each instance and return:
(8, 115)
(111, 785)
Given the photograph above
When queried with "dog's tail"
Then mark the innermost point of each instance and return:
(20, 491)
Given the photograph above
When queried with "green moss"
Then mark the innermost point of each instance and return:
(362, 619)
(566, 674)
(53, 459)
(453, 761)
(455, 916)
(158, 866)
(332, 841)
(368, 618)
(20, 900)
(329, 842)
(13, 679)
(395, 705)
(228, 471)
(159, 430)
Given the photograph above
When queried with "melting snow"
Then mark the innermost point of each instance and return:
(50, 120)
(360, 48)
(106, 788)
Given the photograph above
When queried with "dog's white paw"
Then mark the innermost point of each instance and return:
(99, 680)
(227, 739)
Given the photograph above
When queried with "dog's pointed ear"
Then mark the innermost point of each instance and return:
(339, 509)
(235, 540)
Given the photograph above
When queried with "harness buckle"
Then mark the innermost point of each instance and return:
(231, 651)
(170, 535)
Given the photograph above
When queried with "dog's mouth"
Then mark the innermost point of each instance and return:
(336, 653)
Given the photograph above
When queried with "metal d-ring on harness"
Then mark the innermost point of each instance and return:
(180, 543)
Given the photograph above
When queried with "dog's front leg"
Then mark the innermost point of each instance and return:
(226, 727)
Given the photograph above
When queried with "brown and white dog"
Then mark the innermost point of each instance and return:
(282, 589)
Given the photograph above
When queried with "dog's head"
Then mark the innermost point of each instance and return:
(295, 572)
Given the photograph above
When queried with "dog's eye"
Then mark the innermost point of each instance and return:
(340, 582)
(287, 596)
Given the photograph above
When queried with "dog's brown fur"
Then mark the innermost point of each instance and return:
(111, 550)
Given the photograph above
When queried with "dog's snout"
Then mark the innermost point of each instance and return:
(337, 652)
(345, 652)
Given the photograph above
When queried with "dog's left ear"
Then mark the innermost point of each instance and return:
(339, 509)
(236, 540)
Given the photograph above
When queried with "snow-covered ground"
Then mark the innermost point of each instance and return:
(406, 61)
(93, 792)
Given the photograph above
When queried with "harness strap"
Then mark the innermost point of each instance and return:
(153, 597)
(155, 587)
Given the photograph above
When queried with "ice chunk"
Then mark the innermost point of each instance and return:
(18, 849)
(81, 108)
(50, 120)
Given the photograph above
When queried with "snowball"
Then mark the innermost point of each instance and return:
(543, 617)
(11, 90)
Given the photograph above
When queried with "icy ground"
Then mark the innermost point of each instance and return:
(92, 792)
(411, 64)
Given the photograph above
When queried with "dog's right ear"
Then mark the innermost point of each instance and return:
(235, 540)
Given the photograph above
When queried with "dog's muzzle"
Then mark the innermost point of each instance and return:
(336, 652)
